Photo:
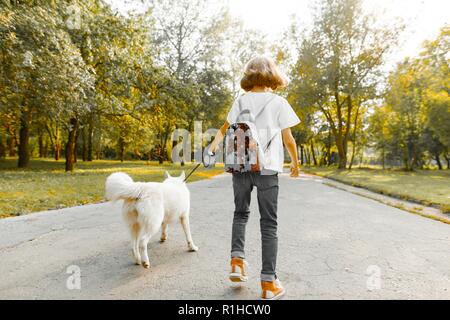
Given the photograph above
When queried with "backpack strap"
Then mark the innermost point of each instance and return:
(240, 105)
(259, 113)
(241, 109)
(264, 107)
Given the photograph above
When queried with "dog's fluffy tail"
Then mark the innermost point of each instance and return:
(120, 186)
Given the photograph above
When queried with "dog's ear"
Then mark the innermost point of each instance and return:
(183, 176)
(167, 175)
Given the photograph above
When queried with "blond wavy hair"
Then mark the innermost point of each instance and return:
(263, 72)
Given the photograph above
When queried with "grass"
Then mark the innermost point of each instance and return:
(45, 186)
(427, 187)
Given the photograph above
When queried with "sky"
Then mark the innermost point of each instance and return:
(423, 18)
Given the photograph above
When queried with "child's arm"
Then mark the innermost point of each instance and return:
(291, 147)
(219, 137)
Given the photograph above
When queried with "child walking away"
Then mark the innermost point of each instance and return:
(256, 127)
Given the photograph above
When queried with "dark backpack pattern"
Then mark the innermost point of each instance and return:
(242, 150)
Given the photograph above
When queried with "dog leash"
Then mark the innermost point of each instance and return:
(192, 172)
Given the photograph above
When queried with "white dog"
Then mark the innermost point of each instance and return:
(148, 207)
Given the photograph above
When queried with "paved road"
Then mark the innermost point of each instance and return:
(333, 245)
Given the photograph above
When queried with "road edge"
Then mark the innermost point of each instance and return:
(407, 206)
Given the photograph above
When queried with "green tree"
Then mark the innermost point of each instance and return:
(339, 63)
(436, 69)
(43, 68)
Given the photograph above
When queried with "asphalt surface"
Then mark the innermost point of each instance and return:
(333, 245)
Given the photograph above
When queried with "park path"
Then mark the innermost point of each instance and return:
(333, 245)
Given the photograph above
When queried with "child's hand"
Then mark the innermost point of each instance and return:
(294, 170)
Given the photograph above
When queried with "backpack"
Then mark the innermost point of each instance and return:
(243, 152)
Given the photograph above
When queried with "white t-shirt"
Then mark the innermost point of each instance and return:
(277, 116)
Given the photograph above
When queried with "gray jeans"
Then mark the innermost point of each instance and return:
(267, 186)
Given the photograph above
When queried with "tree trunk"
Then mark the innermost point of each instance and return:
(162, 151)
(45, 147)
(41, 147)
(84, 145)
(341, 137)
(352, 159)
(342, 165)
(41, 144)
(121, 149)
(438, 160)
(329, 148)
(11, 141)
(138, 154)
(313, 153)
(448, 161)
(57, 151)
(2, 148)
(24, 136)
(302, 154)
(71, 143)
(90, 153)
(160, 156)
(406, 159)
(355, 131)
(326, 156)
(58, 145)
(75, 148)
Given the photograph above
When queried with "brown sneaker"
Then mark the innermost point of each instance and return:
(238, 270)
(272, 290)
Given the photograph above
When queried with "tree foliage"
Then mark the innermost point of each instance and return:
(414, 123)
(79, 80)
(338, 68)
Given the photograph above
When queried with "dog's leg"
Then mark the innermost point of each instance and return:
(136, 253)
(164, 232)
(143, 243)
(135, 231)
(187, 230)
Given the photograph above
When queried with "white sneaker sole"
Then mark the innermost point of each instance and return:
(237, 277)
(277, 297)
